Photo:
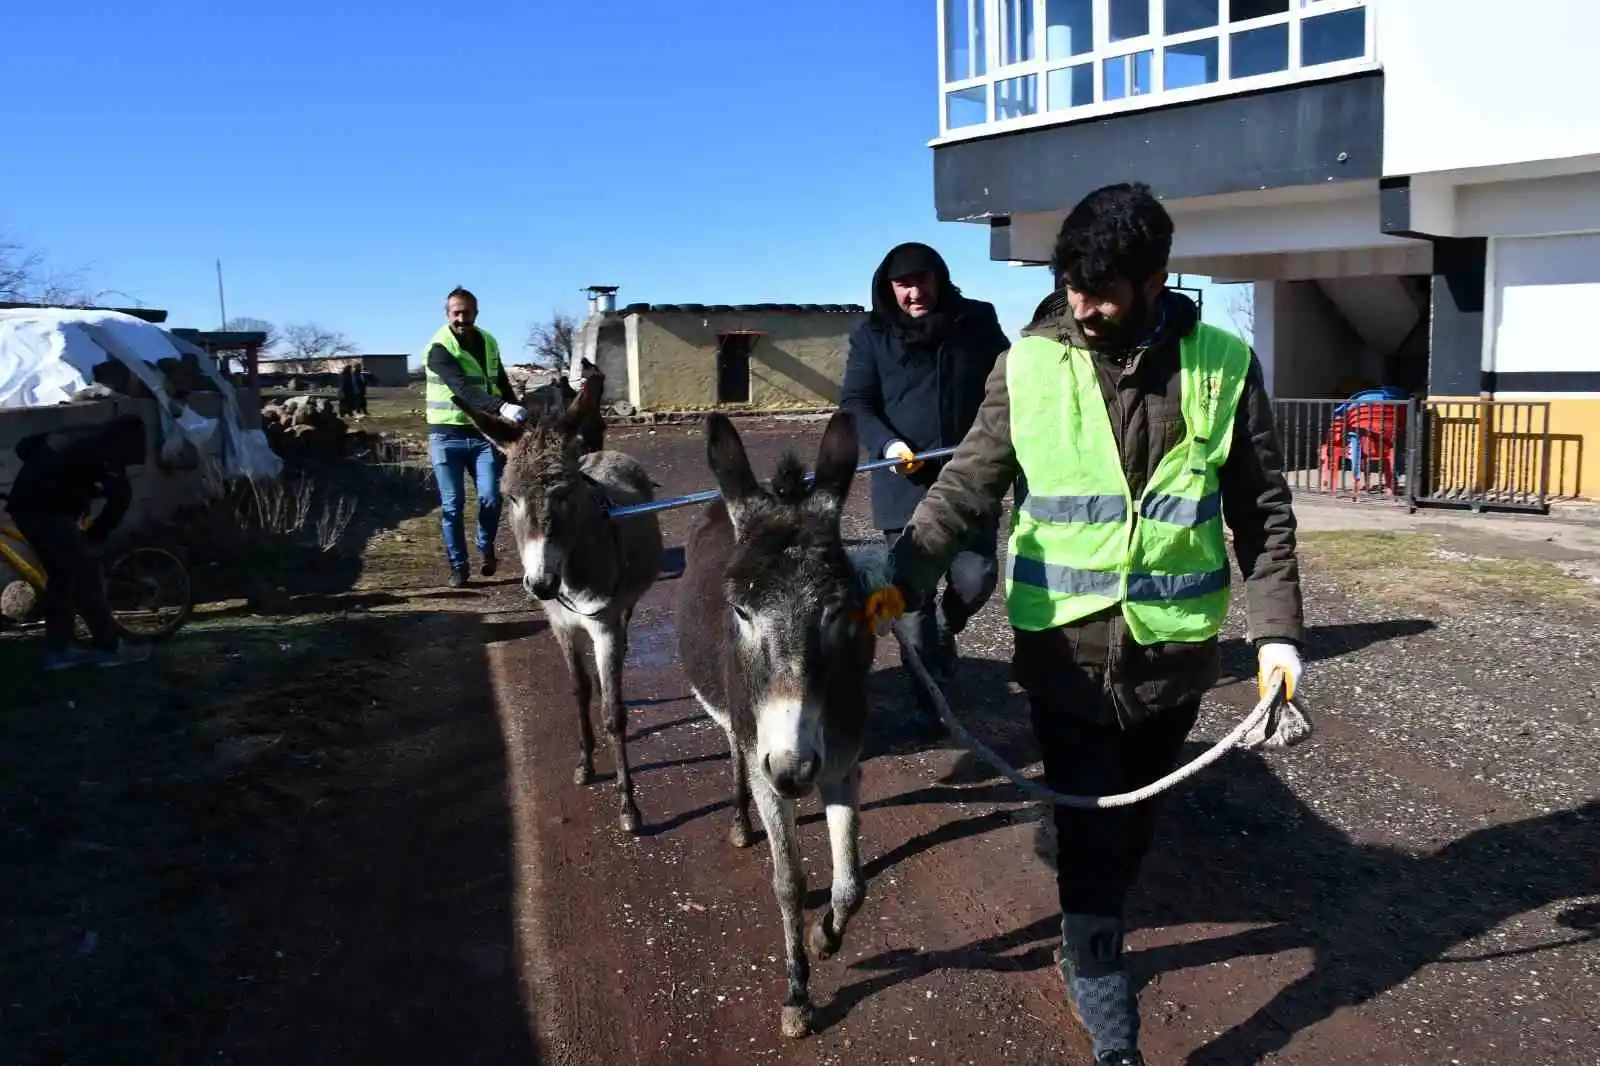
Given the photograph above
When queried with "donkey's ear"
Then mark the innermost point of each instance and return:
(836, 458)
(501, 434)
(726, 455)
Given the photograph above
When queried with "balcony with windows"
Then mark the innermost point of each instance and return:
(1014, 64)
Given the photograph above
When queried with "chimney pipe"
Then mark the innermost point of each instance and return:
(602, 298)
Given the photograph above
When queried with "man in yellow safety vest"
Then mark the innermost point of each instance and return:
(464, 362)
(1132, 432)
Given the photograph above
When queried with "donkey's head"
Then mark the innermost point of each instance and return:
(794, 604)
(546, 494)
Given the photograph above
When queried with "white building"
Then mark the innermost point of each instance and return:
(1413, 185)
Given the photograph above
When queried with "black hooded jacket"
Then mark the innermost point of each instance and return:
(917, 380)
(62, 478)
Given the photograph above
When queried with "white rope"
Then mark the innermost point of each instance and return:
(1262, 711)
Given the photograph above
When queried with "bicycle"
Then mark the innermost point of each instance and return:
(147, 588)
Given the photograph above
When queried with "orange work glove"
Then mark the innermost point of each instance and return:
(902, 451)
(884, 607)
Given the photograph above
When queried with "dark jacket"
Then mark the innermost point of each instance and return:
(62, 474)
(443, 364)
(1085, 661)
(924, 394)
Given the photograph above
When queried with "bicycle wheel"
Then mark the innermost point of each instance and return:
(149, 593)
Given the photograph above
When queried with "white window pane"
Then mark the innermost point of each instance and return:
(963, 39)
(1189, 64)
(1016, 31)
(967, 107)
(1016, 97)
(1071, 86)
(1128, 75)
(1068, 28)
(1129, 18)
(1259, 51)
(1185, 15)
(1334, 36)
(1244, 10)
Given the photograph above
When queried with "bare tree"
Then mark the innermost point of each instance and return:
(25, 277)
(256, 325)
(1242, 311)
(307, 340)
(550, 343)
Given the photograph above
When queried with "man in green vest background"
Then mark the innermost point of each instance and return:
(464, 362)
(1132, 432)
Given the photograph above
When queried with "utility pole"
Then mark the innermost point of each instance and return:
(222, 307)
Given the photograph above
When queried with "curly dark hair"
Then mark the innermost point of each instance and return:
(1117, 231)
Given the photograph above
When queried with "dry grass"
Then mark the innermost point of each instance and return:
(1419, 569)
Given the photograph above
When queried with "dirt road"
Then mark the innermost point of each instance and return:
(424, 884)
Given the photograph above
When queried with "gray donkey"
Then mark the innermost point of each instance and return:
(776, 650)
(586, 568)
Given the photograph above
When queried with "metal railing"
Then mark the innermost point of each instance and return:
(1349, 449)
(1482, 454)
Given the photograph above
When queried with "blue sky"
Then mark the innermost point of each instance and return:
(349, 167)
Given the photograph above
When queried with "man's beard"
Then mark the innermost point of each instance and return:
(1119, 336)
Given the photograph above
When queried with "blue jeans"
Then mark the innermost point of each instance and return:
(452, 451)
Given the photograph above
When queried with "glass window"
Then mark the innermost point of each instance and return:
(1189, 64)
(1070, 86)
(1185, 15)
(1068, 28)
(1259, 51)
(1244, 10)
(1016, 31)
(963, 39)
(1332, 37)
(966, 107)
(1129, 18)
(1128, 75)
(1016, 97)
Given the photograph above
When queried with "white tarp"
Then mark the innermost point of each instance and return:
(48, 356)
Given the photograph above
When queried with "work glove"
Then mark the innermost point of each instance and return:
(882, 601)
(513, 413)
(1286, 724)
(901, 450)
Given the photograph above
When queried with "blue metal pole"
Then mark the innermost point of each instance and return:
(674, 502)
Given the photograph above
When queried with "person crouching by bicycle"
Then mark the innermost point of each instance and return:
(53, 491)
(1137, 431)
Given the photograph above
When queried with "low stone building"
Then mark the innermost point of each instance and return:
(706, 357)
(386, 370)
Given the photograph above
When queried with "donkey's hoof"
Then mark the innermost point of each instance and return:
(583, 775)
(796, 1021)
(629, 819)
(739, 835)
(823, 944)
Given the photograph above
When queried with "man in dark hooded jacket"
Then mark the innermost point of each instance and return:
(914, 381)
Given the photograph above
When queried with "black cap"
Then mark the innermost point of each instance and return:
(912, 259)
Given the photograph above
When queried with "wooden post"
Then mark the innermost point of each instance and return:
(1486, 449)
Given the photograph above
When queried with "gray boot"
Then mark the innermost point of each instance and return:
(1099, 992)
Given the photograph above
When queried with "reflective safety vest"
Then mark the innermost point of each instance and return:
(1076, 546)
(441, 411)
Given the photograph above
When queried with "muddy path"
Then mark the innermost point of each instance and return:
(432, 887)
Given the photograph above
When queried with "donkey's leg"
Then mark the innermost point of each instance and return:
(610, 648)
(582, 691)
(842, 799)
(789, 882)
(739, 834)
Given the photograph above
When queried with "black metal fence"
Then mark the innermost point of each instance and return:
(1479, 454)
(1483, 454)
(1348, 449)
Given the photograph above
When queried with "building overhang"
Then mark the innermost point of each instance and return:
(1308, 134)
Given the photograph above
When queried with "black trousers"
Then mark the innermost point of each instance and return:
(1101, 851)
(968, 584)
(73, 580)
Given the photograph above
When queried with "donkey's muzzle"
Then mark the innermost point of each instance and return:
(545, 588)
(791, 774)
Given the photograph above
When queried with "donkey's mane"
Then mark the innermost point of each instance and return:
(789, 480)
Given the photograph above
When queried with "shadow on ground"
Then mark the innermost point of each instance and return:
(215, 856)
